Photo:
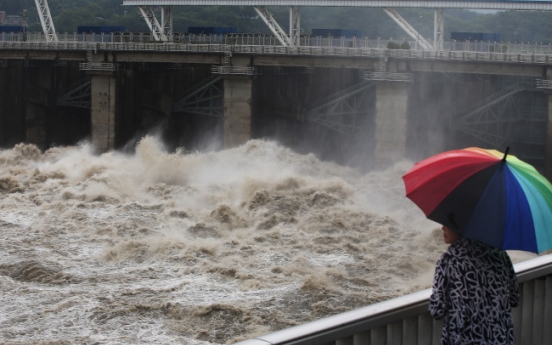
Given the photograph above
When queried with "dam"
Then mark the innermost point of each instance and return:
(171, 245)
(359, 94)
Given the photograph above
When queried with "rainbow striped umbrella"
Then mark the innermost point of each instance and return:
(485, 195)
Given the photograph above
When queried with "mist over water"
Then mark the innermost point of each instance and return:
(197, 248)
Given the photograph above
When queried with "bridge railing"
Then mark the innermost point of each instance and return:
(406, 321)
(271, 41)
(518, 53)
(375, 53)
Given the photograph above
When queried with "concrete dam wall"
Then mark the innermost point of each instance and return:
(332, 112)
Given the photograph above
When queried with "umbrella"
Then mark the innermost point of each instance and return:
(485, 195)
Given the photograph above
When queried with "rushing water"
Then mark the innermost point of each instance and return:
(197, 248)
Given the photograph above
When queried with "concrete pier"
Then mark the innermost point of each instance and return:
(237, 110)
(12, 106)
(103, 111)
(36, 124)
(38, 104)
(390, 122)
(46, 98)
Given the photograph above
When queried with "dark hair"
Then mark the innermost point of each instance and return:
(450, 218)
(452, 222)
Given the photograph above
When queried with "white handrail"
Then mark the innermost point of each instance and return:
(376, 315)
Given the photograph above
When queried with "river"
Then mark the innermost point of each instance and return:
(197, 248)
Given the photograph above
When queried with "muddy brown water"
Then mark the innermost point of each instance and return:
(197, 248)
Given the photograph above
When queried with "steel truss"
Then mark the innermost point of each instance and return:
(467, 4)
(293, 39)
(493, 120)
(163, 29)
(343, 110)
(78, 95)
(409, 29)
(204, 98)
(46, 20)
(532, 131)
(294, 25)
(438, 28)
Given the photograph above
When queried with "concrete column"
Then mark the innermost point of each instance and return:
(35, 125)
(391, 106)
(237, 110)
(102, 113)
(12, 103)
(37, 105)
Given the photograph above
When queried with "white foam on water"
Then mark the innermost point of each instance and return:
(197, 248)
(17, 218)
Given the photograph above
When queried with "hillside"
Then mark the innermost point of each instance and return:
(514, 26)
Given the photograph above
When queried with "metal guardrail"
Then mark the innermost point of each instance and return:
(532, 53)
(281, 50)
(543, 84)
(387, 76)
(233, 70)
(97, 66)
(406, 321)
(271, 40)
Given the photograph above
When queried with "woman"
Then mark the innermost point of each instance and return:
(474, 289)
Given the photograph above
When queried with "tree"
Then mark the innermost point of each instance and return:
(533, 26)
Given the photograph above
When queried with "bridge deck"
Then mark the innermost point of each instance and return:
(466, 4)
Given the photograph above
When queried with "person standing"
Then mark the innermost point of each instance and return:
(474, 290)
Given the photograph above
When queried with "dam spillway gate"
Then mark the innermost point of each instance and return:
(340, 112)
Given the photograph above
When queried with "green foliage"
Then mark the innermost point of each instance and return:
(513, 26)
(393, 45)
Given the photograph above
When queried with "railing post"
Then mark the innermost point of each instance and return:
(547, 335)
(345, 341)
(425, 329)
(538, 312)
(410, 331)
(361, 338)
(395, 333)
(527, 312)
(378, 336)
(437, 328)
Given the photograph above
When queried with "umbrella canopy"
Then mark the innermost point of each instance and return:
(485, 195)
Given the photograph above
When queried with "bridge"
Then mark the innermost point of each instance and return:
(237, 60)
(162, 27)
(246, 55)
(232, 64)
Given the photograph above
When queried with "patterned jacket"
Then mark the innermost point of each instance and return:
(474, 289)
